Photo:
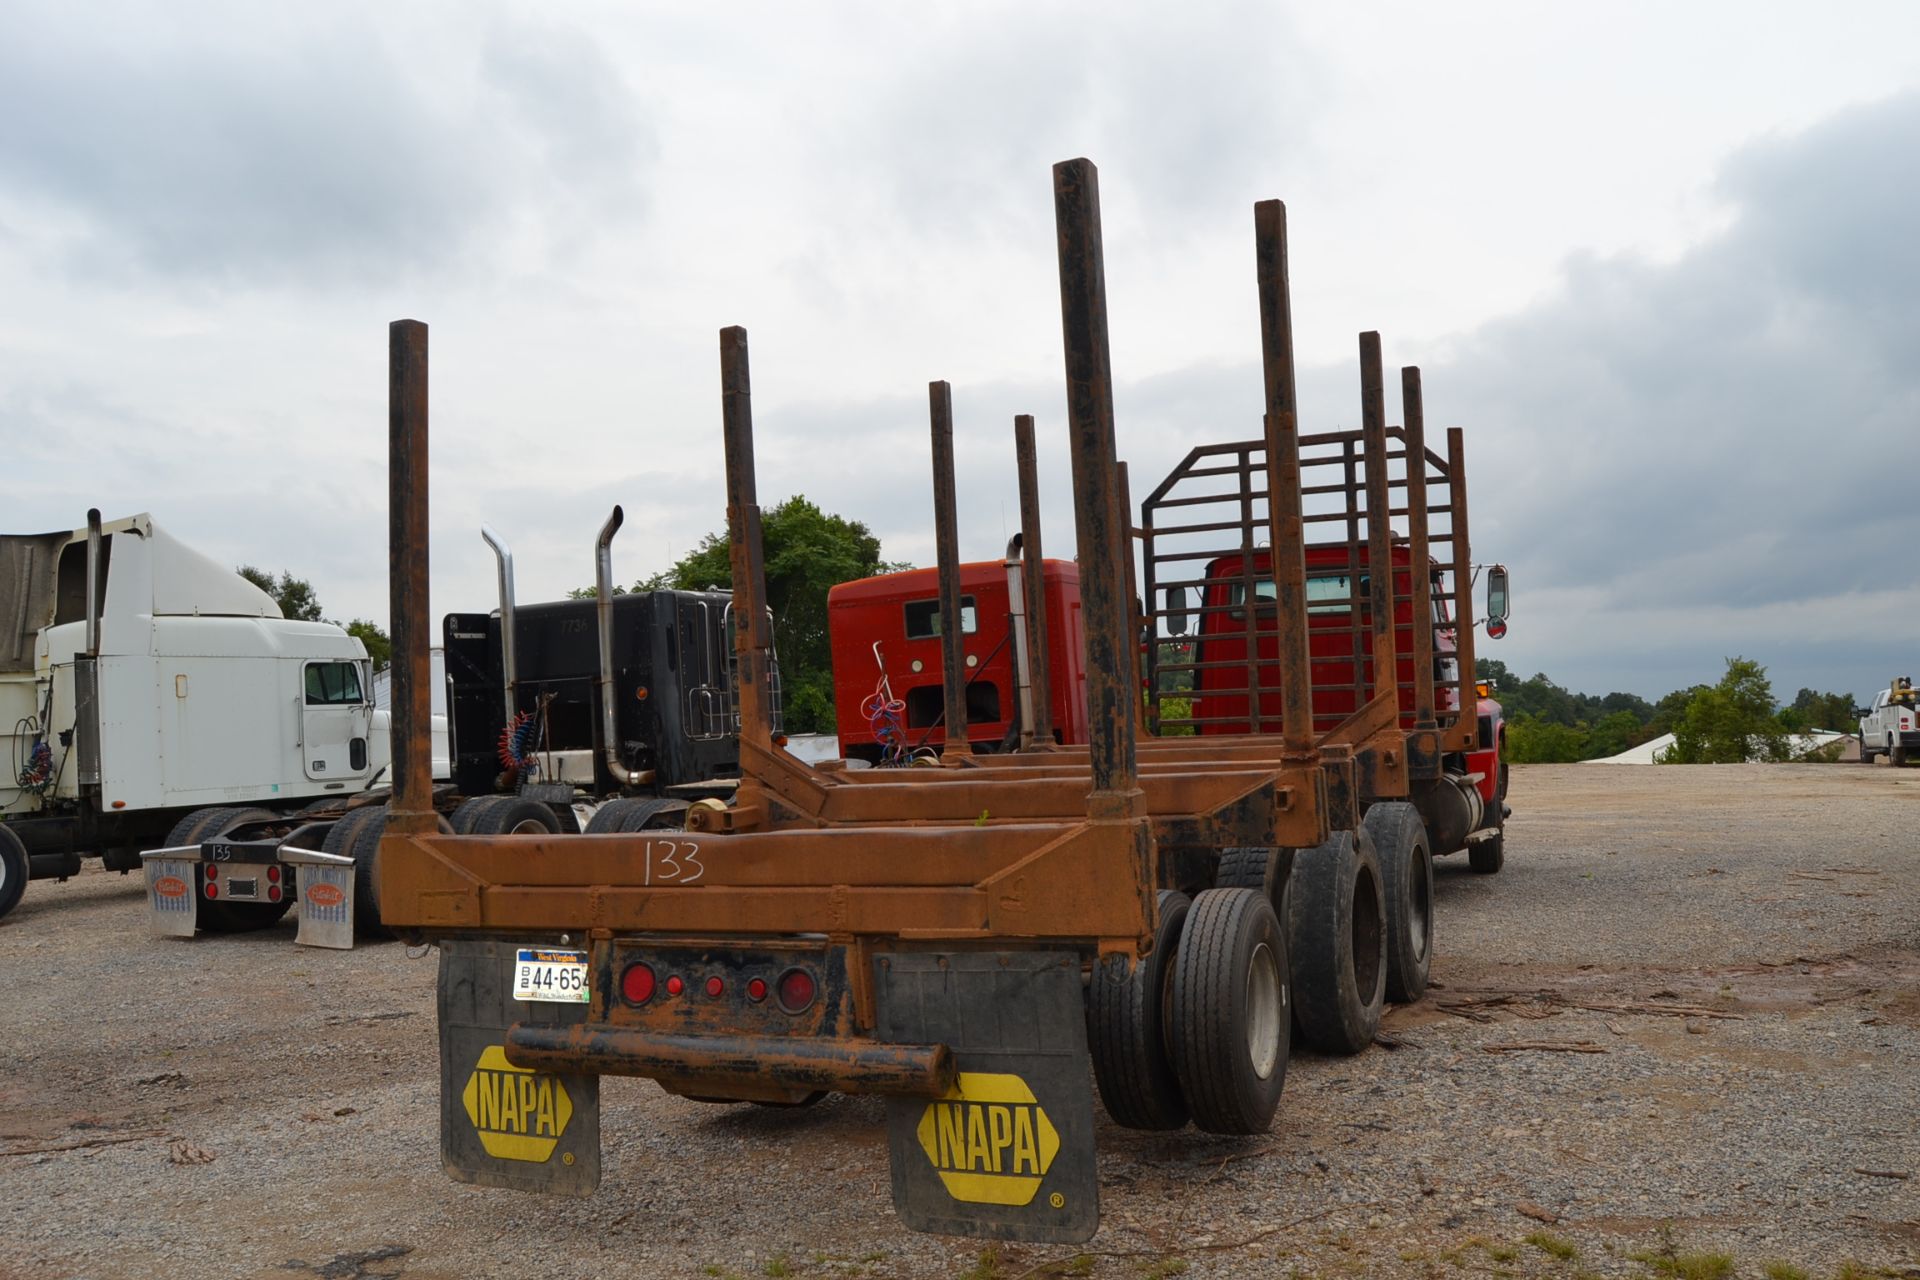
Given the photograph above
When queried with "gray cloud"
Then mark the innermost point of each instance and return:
(251, 146)
(1716, 430)
(1192, 103)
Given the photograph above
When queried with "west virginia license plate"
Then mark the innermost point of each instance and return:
(556, 976)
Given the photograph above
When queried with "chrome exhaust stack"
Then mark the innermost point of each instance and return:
(1017, 624)
(603, 608)
(508, 669)
(93, 582)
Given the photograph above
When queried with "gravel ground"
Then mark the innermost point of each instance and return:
(237, 1106)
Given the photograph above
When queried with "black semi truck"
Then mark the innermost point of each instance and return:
(604, 714)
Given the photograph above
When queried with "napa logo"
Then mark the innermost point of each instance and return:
(989, 1140)
(519, 1114)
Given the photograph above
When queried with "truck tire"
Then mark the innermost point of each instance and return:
(1896, 755)
(14, 869)
(1248, 868)
(1406, 882)
(513, 816)
(470, 809)
(216, 914)
(1487, 857)
(1230, 1031)
(357, 836)
(638, 813)
(1126, 1030)
(1337, 943)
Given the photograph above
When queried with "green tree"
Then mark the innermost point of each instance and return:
(1612, 734)
(1532, 740)
(294, 595)
(1810, 710)
(379, 646)
(1731, 722)
(806, 552)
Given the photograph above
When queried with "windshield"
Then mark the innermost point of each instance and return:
(1327, 594)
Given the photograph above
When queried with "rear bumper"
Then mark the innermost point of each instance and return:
(744, 1062)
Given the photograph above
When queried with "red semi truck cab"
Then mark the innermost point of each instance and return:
(1339, 649)
(888, 691)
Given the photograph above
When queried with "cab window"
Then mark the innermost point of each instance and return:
(331, 684)
(923, 618)
(1326, 594)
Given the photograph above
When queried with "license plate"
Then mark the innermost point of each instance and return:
(556, 976)
(243, 887)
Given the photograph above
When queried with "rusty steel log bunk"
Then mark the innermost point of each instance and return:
(946, 922)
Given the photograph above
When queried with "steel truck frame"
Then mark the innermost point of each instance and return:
(947, 939)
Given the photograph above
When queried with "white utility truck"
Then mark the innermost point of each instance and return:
(1891, 726)
(151, 696)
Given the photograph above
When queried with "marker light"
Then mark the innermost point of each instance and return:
(675, 986)
(715, 987)
(636, 984)
(797, 990)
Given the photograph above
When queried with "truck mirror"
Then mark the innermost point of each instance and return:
(1861, 713)
(1177, 610)
(1497, 600)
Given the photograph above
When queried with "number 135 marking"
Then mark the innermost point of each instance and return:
(673, 862)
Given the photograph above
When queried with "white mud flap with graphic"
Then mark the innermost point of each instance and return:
(1009, 1153)
(325, 881)
(173, 890)
(502, 1125)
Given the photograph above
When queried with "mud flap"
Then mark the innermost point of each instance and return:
(502, 1125)
(1009, 1153)
(173, 890)
(326, 897)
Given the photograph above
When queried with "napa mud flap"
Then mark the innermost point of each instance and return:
(502, 1125)
(1009, 1153)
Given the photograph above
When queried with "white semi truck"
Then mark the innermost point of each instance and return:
(151, 696)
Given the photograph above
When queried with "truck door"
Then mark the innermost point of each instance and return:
(335, 719)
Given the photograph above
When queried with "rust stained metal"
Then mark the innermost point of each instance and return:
(753, 641)
(729, 1063)
(1112, 690)
(1373, 418)
(1286, 539)
(412, 807)
(946, 524)
(1414, 416)
(1466, 729)
(1034, 579)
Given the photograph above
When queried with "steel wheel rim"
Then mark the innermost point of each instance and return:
(1263, 1012)
(529, 827)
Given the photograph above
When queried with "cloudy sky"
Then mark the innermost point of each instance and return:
(1659, 261)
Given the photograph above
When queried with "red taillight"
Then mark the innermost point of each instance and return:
(675, 986)
(213, 890)
(715, 987)
(796, 990)
(756, 989)
(273, 893)
(273, 875)
(213, 871)
(636, 984)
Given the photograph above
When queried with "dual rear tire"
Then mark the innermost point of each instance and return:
(217, 915)
(1199, 1028)
(1337, 942)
